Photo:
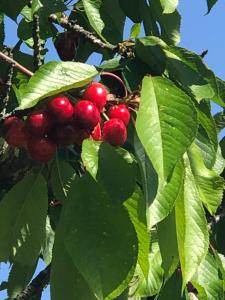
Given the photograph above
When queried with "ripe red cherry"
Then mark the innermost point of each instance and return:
(8, 122)
(39, 123)
(86, 114)
(41, 149)
(96, 93)
(114, 132)
(61, 108)
(17, 136)
(97, 133)
(64, 135)
(121, 112)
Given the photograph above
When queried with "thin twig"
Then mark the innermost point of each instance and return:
(118, 79)
(79, 29)
(15, 64)
(36, 286)
(37, 42)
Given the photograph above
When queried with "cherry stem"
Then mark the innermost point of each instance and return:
(117, 78)
(15, 64)
(105, 116)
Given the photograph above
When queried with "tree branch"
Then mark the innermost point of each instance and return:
(79, 29)
(36, 286)
(11, 61)
(37, 43)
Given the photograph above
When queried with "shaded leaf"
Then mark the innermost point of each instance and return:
(166, 123)
(92, 234)
(54, 78)
(210, 4)
(22, 220)
(47, 246)
(12, 8)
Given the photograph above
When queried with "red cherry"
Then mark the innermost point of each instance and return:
(61, 108)
(17, 136)
(41, 149)
(80, 135)
(114, 132)
(96, 93)
(121, 112)
(86, 114)
(97, 133)
(8, 122)
(39, 123)
(65, 135)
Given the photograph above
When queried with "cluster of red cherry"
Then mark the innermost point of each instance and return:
(61, 123)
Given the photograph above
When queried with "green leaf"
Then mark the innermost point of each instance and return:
(191, 224)
(149, 50)
(47, 246)
(166, 196)
(107, 18)
(169, 23)
(2, 29)
(209, 185)
(135, 30)
(72, 284)
(62, 174)
(207, 276)
(99, 158)
(169, 6)
(166, 123)
(210, 4)
(168, 244)
(130, 8)
(19, 276)
(152, 285)
(172, 289)
(54, 78)
(188, 69)
(102, 247)
(12, 8)
(22, 220)
(136, 207)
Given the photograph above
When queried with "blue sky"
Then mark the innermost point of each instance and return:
(198, 32)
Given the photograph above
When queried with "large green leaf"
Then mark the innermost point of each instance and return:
(66, 282)
(19, 276)
(191, 224)
(47, 246)
(169, 6)
(168, 244)
(130, 8)
(136, 207)
(149, 51)
(54, 78)
(166, 123)
(210, 4)
(169, 23)
(167, 194)
(209, 185)
(106, 17)
(188, 69)
(22, 220)
(99, 238)
(99, 158)
(172, 289)
(2, 29)
(207, 277)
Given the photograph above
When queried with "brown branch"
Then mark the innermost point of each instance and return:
(37, 42)
(80, 30)
(36, 286)
(11, 61)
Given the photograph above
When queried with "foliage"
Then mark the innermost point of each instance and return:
(140, 221)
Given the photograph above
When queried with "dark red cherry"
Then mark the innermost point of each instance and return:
(114, 132)
(120, 112)
(61, 109)
(39, 123)
(96, 93)
(86, 114)
(41, 148)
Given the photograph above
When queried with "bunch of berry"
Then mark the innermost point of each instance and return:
(61, 123)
